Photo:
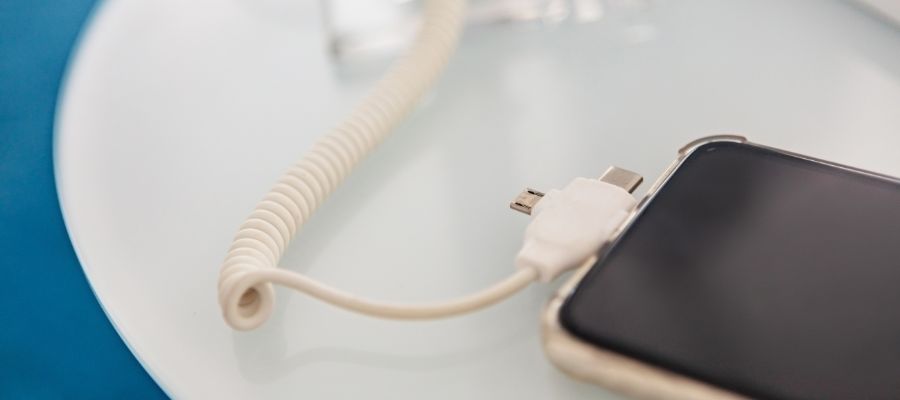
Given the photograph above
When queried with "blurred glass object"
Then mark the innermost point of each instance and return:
(888, 10)
(366, 27)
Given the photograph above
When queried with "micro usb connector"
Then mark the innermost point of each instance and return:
(570, 225)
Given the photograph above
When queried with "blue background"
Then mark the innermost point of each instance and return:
(55, 341)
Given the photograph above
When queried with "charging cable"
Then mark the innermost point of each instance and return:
(568, 225)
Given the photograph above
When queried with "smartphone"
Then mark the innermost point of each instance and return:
(746, 271)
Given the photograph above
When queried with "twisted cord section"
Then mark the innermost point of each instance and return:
(245, 287)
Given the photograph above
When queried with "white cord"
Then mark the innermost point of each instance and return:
(569, 225)
(245, 283)
(520, 279)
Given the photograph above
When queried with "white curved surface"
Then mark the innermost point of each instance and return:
(177, 116)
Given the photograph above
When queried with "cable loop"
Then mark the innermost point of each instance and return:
(245, 282)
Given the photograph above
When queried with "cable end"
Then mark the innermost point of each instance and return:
(526, 201)
(569, 225)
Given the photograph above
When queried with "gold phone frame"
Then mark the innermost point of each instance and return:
(621, 373)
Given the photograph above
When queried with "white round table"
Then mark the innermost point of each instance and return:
(178, 116)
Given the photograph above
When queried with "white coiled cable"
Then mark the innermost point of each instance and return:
(246, 294)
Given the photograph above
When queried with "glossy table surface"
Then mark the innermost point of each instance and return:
(178, 116)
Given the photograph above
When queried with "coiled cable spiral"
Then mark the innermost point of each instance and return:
(250, 268)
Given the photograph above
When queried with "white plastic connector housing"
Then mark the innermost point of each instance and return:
(571, 224)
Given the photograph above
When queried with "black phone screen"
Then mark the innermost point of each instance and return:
(764, 273)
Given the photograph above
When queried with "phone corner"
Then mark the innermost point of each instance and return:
(697, 143)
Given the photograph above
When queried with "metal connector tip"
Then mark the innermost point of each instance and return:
(526, 200)
(622, 178)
